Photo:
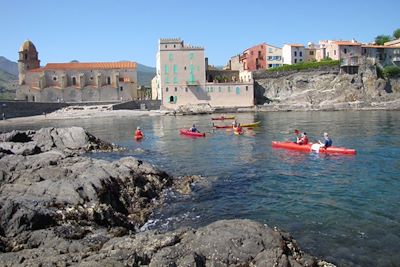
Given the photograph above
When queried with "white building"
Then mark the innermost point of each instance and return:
(293, 53)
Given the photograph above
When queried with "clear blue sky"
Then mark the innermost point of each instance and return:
(64, 30)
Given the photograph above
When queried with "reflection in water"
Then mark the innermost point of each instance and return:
(343, 208)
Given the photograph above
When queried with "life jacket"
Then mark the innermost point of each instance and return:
(304, 140)
(138, 133)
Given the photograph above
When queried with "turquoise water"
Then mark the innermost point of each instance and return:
(342, 208)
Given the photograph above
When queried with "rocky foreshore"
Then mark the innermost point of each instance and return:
(326, 89)
(60, 207)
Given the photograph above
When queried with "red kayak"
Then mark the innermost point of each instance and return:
(223, 118)
(138, 137)
(309, 147)
(190, 133)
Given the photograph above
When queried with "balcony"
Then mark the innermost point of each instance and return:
(350, 61)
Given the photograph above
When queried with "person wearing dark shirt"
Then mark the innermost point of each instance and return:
(327, 141)
(194, 129)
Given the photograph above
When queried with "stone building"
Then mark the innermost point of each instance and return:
(74, 82)
(181, 79)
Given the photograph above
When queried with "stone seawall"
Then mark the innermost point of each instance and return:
(137, 104)
(13, 109)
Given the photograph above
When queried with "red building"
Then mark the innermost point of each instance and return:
(254, 58)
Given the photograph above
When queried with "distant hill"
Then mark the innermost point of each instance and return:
(8, 85)
(8, 66)
(145, 74)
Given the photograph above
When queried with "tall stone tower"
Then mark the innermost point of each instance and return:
(28, 59)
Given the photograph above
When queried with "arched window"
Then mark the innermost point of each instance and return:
(108, 80)
(171, 99)
(26, 56)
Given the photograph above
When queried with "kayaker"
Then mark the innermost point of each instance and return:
(194, 129)
(327, 141)
(138, 132)
(303, 140)
(234, 124)
(238, 129)
(298, 136)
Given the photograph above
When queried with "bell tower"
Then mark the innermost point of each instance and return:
(28, 59)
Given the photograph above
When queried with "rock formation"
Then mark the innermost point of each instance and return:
(326, 89)
(59, 207)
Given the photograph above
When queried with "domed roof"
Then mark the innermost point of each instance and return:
(27, 45)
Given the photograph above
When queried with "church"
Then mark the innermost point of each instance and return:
(75, 81)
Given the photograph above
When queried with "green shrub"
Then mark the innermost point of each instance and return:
(379, 72)
(306, 65)
(326, 59)
(391, 71)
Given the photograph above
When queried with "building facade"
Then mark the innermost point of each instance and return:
(381, 54)
(73, 82)
(235, 63)
(254, 58)
(273, 56)
(181, 74)
(293, 53)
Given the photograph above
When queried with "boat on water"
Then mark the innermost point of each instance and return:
(190, 133)
(253, 124)
(313, 147)
(138, 137)
(223, 118)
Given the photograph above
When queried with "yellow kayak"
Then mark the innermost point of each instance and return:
(254, 124)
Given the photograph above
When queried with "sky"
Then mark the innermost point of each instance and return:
(105, 30)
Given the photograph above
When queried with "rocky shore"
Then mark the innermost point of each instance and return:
(60, 207)
(326, 89)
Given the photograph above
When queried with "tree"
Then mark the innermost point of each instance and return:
(396, 34)
(381, 39)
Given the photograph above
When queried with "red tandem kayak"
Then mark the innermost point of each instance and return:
(309, 147)
(190, 133)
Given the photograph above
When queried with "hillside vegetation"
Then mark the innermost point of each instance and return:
(8, 84)
(306, 65)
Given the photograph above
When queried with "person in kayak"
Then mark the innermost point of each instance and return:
(298, 136)
(238, 129)
(138, 132)
(194, 129)
(327, 141)
(234, 124)
(303, 140)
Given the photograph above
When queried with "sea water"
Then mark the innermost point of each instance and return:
(342, 208)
